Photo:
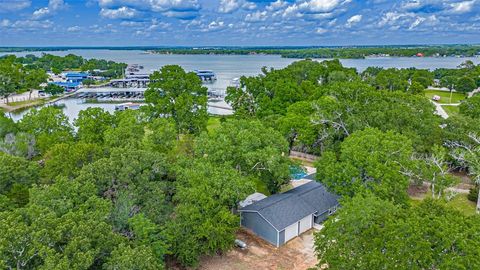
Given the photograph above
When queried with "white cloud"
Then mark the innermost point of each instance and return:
(277, 5)
(321, 31)
(4, 23)
(249, 6)
(75, 28)
(181, 9)
(56, 4)
(213, 26)
(462, 7)
(41, 13)
(31, 24)
(319, 5)
(119, 13)
(53, 6)
(229, 6)
(408, 20)
(354, 20)
(256, 16)
(153, 5)
(13, 5)
(131, 24)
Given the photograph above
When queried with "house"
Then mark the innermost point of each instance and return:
(282, 217)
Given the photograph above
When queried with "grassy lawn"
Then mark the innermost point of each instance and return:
(451, 110)
(459, 203)
(213, 123)
(445, 96)
(462, 204)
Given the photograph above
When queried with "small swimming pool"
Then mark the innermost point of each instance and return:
(297, 172)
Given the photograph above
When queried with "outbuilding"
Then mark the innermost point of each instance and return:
(282, 217)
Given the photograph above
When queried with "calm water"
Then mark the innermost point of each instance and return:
(228, 67)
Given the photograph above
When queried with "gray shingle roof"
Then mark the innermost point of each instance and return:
(282, 210)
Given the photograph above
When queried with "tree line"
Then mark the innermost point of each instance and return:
(334, 52)
(133, 189)
(376, 134)
(148, 188)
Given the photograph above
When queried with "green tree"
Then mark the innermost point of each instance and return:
(448, 82)
(53, 89)
(92, 124)
(469, 157)
(465, 84)
(10, 77)
(160, 135)
(471, 107)
(49, 125)
(416, 88)
(63, 227)
(179, 95)
(369, 233)
(138, 177)
(33, 78)
(274, 91)
(434, 169)
(68, 159)
(6, 125)
(127, 130)
(203, 222)
(369, 160)
(250, 148)
(392, 80)
(20, 144)
(125, 257)
(16, 176)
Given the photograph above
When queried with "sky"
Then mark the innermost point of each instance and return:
(238, 22)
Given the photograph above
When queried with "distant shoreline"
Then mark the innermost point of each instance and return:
(344, 52)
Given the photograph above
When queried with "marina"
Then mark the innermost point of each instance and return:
(228, 71)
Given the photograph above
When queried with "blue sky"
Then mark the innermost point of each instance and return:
(237, 22)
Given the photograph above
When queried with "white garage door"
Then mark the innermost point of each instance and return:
(305, 223)
(291, 231)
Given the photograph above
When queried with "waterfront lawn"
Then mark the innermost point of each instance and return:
(445, 96)
(451, 110)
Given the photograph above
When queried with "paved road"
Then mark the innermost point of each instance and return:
(439, 110)
(473, 92)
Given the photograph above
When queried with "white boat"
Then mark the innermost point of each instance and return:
(128, 106)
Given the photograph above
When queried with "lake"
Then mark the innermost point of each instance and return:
(228, 67)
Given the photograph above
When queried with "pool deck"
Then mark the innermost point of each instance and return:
(298, 182)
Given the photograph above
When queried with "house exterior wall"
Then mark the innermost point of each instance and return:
(281, 238)
(254, 222)
(322, 217)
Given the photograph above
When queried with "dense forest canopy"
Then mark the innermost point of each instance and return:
(157, 186)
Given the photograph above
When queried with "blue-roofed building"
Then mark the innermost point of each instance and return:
(75, 76)
(68, 86)
(282, 217)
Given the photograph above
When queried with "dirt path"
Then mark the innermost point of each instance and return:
(298, 254)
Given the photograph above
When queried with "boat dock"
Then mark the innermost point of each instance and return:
(130, 94)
